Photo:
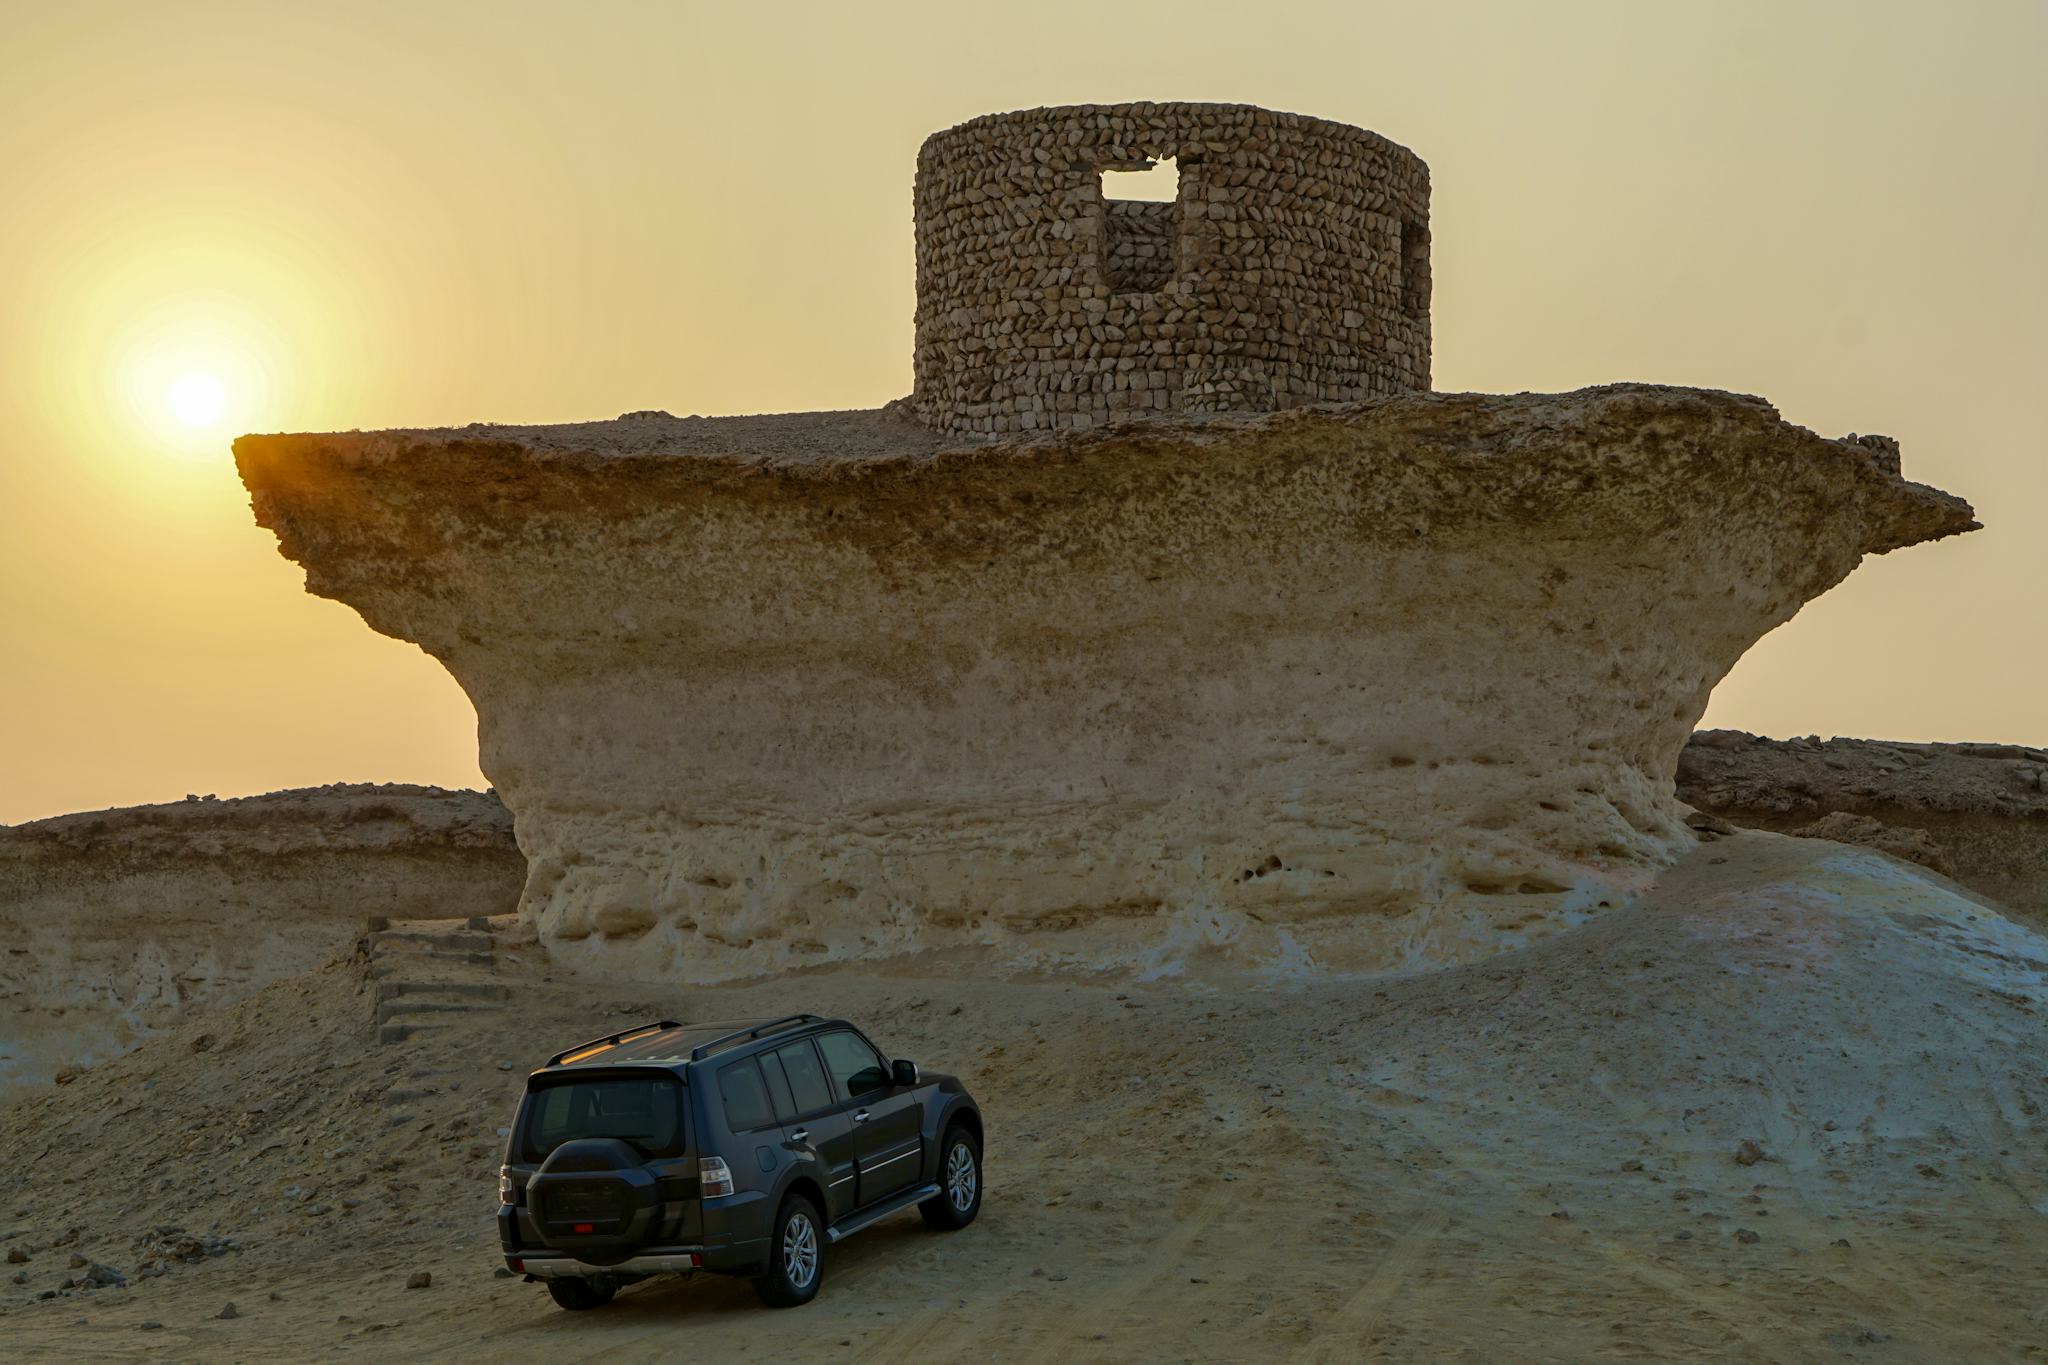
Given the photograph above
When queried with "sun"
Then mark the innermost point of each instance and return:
(185, 379)
(197, 398)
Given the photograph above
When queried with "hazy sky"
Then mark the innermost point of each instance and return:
(365, 215)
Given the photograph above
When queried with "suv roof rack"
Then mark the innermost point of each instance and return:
(703, 1050)
(611, 1040)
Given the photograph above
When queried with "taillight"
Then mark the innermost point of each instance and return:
(504, 1184)
(714, 1176)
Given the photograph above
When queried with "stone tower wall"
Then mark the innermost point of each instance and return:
(1293, 268)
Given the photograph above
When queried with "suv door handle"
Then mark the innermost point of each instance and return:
(860, 1116)
(800, 1135)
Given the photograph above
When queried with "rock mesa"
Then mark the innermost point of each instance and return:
(1360, 685)
(1976, 812)
(1171, 621)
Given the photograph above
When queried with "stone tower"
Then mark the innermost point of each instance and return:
(1292, 268)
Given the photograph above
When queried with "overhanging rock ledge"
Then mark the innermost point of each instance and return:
(1346, 687)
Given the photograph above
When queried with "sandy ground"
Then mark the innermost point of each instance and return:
(1535, 1157)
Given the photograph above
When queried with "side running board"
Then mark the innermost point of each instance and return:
(867, 1218)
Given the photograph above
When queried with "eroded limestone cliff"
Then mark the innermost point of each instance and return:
(118, 923)
(1978, 812)
(1343, 687)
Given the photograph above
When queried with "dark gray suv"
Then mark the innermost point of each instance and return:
(741, 1148)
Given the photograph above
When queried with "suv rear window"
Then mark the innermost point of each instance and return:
(644, 1111)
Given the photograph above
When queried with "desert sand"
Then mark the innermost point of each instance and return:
(1787, 1107)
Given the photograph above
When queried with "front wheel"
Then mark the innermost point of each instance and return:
(796, 1261)
(578, 1294)
(959, 1196)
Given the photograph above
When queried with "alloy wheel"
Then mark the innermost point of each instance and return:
(960, 1177)
(799, 1251)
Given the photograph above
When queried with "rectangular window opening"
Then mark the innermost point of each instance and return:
(1140, 226)
(1158, 183)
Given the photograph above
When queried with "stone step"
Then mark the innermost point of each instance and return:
(465, 939)
(468, 990)
(414, 964)
(399, 1033)
(387, 1010)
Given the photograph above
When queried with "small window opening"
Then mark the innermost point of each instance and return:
(1140, 225)
(1158, 183)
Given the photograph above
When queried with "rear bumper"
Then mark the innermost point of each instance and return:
(548, 1265)
(730, 1243)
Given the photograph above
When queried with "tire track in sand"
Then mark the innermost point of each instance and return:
(1349, 1331)
(1153, 1263)
(1733, 1311)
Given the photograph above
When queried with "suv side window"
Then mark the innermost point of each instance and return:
(746, 1098)
(806, 1078)
(778, 1087)
(856, 1068)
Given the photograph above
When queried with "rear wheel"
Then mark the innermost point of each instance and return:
(959, 1196)
(796, 1260)
(577, 1294)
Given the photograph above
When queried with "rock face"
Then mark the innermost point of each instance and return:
(117, 923)
(1978, 812)
(1345, 687)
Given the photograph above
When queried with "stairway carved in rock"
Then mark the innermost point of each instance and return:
(424, 973)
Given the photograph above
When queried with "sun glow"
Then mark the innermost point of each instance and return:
(197, 399)
(191, 376)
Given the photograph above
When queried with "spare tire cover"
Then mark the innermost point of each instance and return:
(594, 1199)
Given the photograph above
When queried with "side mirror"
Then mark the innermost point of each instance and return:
(905, 1073)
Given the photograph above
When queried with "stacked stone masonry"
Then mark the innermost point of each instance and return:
(1292, 268)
